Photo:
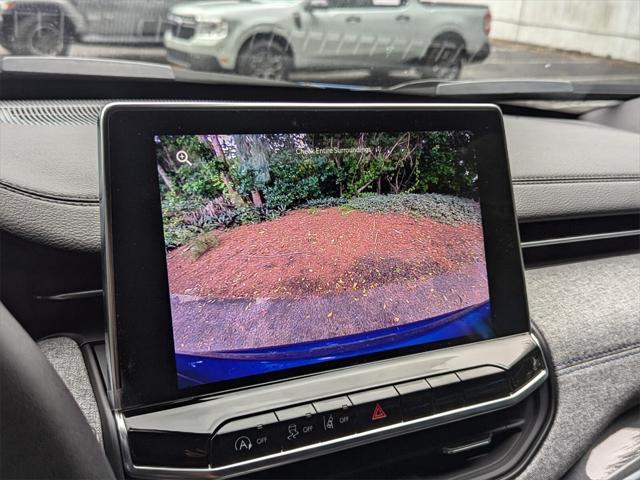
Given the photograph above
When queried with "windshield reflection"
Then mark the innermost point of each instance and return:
(364, 42)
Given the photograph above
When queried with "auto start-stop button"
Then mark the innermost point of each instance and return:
(246, 439)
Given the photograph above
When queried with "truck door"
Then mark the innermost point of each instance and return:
(359, 33)
(334, 34)
(390, 27)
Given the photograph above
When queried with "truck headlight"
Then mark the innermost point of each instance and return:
(212, 29)
(6, 6)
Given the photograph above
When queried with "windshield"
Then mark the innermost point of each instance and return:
(345, 43)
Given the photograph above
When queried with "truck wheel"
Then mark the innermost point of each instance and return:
(41, 36)
(265, 58)
(444, 58)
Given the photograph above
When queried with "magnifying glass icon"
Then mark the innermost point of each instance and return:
(183, 157)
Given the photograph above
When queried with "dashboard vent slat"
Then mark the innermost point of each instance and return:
(51, 112)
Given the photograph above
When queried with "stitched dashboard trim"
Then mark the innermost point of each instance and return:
(575, 179)
(49, 199)
(600, 358)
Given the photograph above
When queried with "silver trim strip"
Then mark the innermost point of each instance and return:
(469, 446)
(69, 296)
(580, 238)
(106, 236)
(329, 446)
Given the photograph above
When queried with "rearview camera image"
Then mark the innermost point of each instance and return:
(292, 250)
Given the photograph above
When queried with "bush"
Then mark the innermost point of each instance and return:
(217, 213)
(203, 244)
(442, 169)
(176, 231)
(256, 214)
(203, 181)
(417, 162)
(325, 202)
(221, 213)
(296, 179)
(443, 208)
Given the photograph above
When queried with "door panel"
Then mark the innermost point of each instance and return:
(358, 33)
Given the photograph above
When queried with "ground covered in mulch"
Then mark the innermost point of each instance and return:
(313, 275)
(311, 252)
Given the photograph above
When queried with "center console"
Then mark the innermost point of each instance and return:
(289, 281)
(254, 429)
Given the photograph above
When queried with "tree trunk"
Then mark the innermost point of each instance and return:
(165, 178)
(168, 160)
(253, 156)
(253, 161)
(256, 198)
(233, 194)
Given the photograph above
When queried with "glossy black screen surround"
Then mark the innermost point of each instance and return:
(136, 287)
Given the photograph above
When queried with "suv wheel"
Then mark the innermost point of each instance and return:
(444, 59)
(41, 36)
(265, 59)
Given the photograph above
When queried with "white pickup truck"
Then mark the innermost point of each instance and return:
(270, 38)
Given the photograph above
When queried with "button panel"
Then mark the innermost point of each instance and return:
(182, 450)
(245, 439)
(364, 411)
(484, 384)
(416, 398)
(448, 392)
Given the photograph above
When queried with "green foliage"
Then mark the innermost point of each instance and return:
(346, 208)
(176, 231)
(203, 244)
(203, 181)
(441, 169)
(325, 202)
(352, 172)
(395, 163)
(248, 215)
(296, 179)
(217, 213)
(254, 214)
(444, 208)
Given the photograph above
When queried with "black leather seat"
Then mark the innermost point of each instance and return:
(43, 433)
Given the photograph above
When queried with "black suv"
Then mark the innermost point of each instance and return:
(48, 27)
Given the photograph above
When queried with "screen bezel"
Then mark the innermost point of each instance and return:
(140, 335)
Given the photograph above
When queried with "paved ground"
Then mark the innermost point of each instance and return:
(215, 324)
(507, 60)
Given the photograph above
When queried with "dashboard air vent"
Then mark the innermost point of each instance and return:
(50, 112)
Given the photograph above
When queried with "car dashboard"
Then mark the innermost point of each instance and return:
(576, 184)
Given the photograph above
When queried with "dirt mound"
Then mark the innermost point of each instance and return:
(310, 252)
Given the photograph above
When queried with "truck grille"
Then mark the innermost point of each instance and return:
(182, 27)
(183, 31)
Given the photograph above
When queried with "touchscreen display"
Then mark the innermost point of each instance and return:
(292, 250)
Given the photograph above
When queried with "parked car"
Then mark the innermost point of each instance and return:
(282, 35)
(48, 27)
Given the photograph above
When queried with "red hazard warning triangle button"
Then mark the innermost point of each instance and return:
(378, 413)
(376, 408)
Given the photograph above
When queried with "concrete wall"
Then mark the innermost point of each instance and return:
(607, 28)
